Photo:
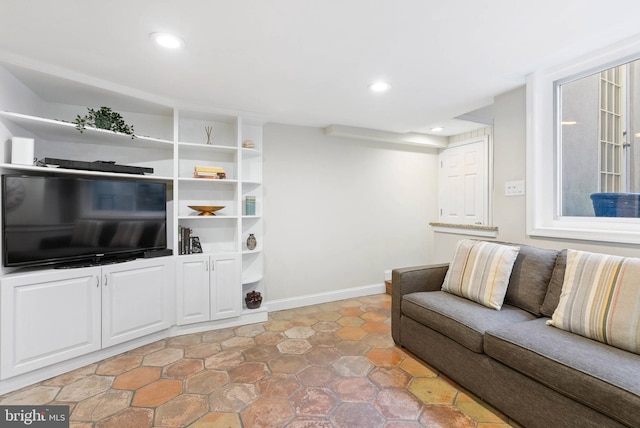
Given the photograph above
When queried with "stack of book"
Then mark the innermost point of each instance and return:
(185, 243)
(188, 243)
(213, 172)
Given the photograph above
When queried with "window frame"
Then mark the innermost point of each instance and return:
(544, 153)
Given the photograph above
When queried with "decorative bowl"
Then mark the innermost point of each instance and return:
(205, 209)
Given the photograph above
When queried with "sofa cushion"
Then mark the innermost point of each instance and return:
(459, 319)
(555, 285)
(480, 271)
(530, 278)
(600, 299)
(593, 373)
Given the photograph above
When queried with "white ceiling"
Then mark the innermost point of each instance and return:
(309, 62)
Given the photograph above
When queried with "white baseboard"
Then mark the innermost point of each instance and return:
(329, 296)
(249, 316)
(38, 375)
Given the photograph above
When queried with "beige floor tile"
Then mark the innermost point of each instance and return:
(330, 365)
(34, 396)
(218, 420)
(478, 410)
(433, 390)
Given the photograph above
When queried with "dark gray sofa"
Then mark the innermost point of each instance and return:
(538, 375)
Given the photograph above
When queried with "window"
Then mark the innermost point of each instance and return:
(598, 138)
(583, 166)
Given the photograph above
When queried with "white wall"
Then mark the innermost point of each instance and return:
(339, 212)
(509, 135)
(16, 97)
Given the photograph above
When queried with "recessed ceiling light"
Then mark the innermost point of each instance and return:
(569, 122)
(380, 86)
(437, 129)
(167, 40)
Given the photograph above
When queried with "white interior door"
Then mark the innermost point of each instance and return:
(464, 183)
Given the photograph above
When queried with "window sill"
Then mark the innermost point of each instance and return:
(611, 235)
(465, 229)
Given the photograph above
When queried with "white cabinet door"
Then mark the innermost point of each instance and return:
(135, 299)
(226, 287)
(208, 288)
(48, 317)
(192, 289)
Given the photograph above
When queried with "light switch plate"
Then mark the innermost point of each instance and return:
(514, 188)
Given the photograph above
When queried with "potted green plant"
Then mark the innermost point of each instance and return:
(104, 118)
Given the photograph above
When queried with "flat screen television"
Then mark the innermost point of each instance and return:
(54, 220)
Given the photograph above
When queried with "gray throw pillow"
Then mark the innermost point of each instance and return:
(555, 285)
(530, 278)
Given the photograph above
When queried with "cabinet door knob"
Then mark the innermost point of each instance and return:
(97, 281)
(105, 280)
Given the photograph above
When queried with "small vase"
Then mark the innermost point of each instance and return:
(209, 131)
(251, 242)
(253, 300)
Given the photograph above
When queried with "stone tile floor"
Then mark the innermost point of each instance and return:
(327, 365)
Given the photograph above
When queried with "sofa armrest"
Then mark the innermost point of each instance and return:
(411, 280)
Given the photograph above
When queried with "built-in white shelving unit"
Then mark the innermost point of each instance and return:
(251, 185)
(208, 288)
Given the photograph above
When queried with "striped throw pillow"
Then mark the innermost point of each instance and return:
(480, 271)
(601, 299)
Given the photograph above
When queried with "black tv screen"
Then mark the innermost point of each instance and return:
(55, 220)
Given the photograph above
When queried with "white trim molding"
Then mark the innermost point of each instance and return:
(329, 296)
(411, 138)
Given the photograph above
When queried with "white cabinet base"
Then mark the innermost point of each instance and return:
(54, 321)
(38, 375)
(52, 315)
(135, 300)
(208, 287)
(48, 318)
(192, 289)
(226, 286)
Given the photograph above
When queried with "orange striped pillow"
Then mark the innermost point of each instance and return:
(480, 271)
(601, 299)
